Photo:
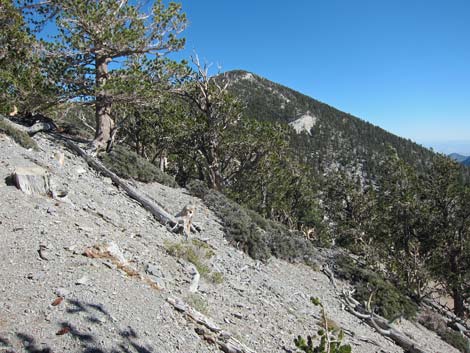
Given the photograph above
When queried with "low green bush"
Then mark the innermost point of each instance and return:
(129, 165)
(389, 301)
(196, 252)
(258, 237)
(198, 302)
(456, 340)
(20, 137)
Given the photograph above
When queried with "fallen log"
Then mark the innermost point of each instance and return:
(226, 342)
(158, 212)
(30, 130)
(381, 325)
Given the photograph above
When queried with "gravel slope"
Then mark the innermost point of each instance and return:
(105, 310)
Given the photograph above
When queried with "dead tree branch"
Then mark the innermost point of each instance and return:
(226, 342)
(158, 212)
(380, 324)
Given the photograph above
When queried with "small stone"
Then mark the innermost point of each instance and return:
(238, 315)
(36, 276)
(62, 292)
(158, 281)
(152, 270)
(80, 170)
(43, 253)
(82, 280)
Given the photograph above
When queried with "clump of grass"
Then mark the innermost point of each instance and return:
(258, 237)
(217, 278)
(198, 302)
(129, 165)
(196, 252)
(20, 137)
(390, 302)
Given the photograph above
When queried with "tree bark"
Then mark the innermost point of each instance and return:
(104, 122)
(457, 295)
(213, 161)
(459, 307)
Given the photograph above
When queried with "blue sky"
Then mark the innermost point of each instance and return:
(402, 65)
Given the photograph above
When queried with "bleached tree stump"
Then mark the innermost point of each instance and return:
(32, 180)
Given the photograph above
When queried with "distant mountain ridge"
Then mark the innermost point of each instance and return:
(458, 157)
(324, 136)
(465, 160)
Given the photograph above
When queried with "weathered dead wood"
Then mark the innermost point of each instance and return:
(195, 281)
(158, 212)
(326, 270)
(226, 342)
(195, 315)
(30, 130)
(452, 320)
(381, 325)
(32, 180)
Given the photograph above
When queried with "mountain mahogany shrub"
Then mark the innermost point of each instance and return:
(257, 236)
(389, 301)
(129, 165)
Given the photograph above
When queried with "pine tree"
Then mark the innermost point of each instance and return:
(93, 34)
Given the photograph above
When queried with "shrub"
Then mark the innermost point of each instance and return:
(198, 302)
(217, 278)
(196, 252)
(20, 137)
(331, 337)
(456, 340)
(129, 165)
(390, 302)
(258, 237)
(436, 323)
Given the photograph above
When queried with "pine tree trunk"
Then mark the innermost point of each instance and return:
(459, 308)
(104, 122)
(215, 176)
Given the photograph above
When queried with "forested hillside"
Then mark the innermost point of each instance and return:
(336, 137)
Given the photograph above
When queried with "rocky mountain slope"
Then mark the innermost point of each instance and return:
(59, 292)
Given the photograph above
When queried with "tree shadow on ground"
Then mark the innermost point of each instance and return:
(80, 314)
